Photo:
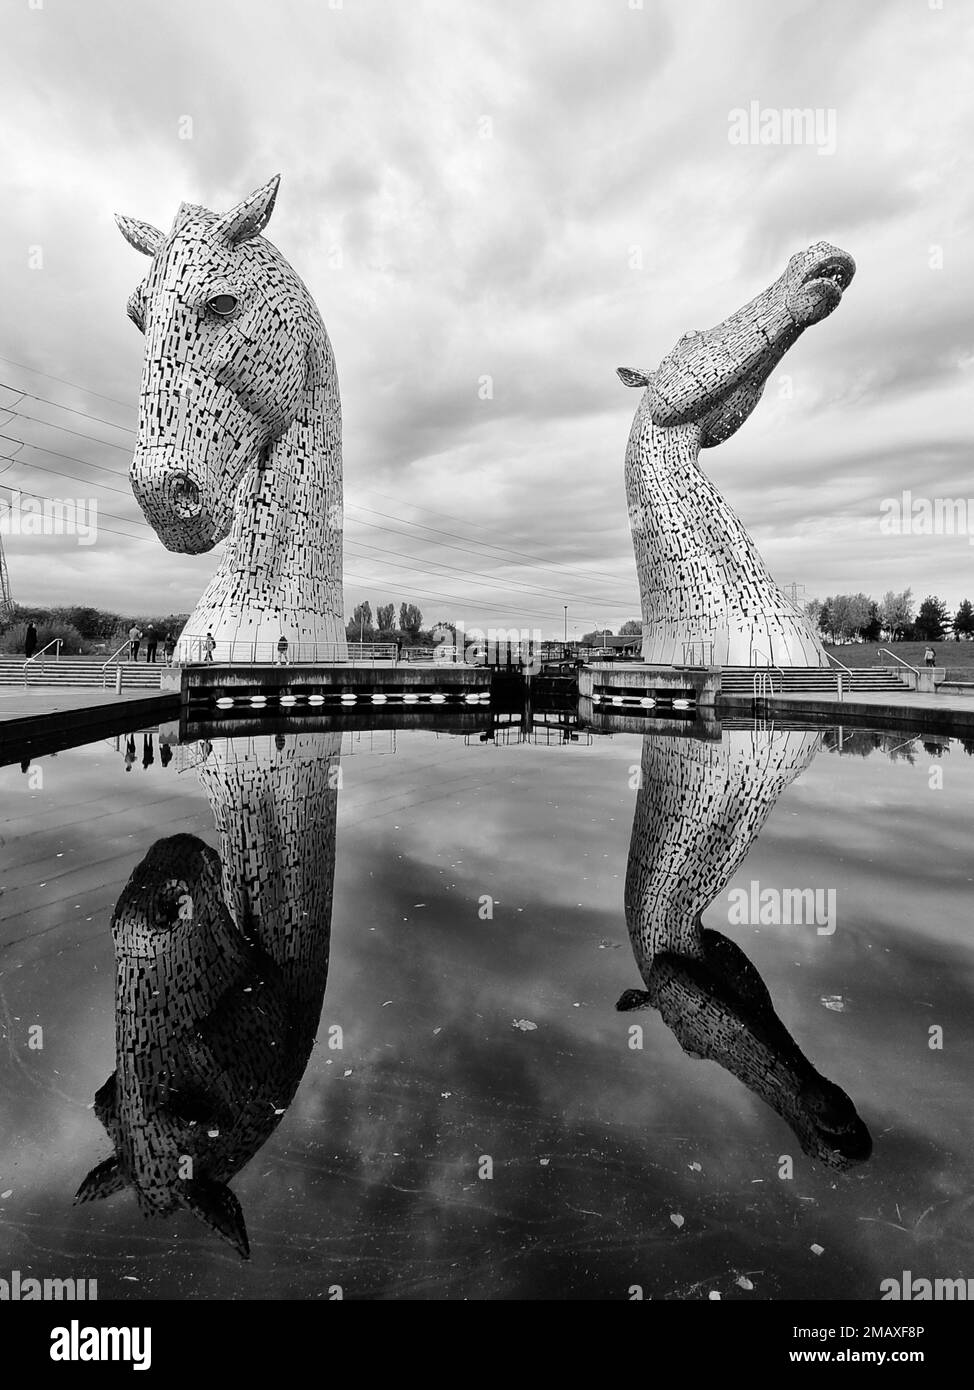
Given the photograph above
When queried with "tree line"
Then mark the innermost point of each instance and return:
(362, 626)
(81, 629)
(84, 629)
(895, 618)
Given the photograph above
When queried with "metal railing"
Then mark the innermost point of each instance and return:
(114, 661)
(706, 649)
(55, 642)
(771, 664)
(762, 685)
(887, 652)
(195, 651)
(116, 654)
(838, 678)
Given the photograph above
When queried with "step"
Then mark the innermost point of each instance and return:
(68, 672)
(737, 680)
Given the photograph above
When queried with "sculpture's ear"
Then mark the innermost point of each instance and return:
(250, 217)
(141, 235)
(217, 1207)
(105, 1099)
(188, 212)
(632, 999)
(632, 377)
(104, 1180)
(135, 308)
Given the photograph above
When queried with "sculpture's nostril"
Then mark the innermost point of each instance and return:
(184, 495)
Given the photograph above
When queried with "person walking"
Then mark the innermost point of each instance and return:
(30, 641)
(282, 650)
(210, 645)
(135, 637)
(169, 648)
(151, 643)
(929, 657)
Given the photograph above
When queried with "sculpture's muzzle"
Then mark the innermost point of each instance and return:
(177, 500)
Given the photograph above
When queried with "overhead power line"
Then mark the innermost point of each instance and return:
(532, 561)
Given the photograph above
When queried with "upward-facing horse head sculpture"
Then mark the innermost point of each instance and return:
(699, 808)
(701, 579)
(240, 428)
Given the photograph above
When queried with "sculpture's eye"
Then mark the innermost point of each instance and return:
(223, 305)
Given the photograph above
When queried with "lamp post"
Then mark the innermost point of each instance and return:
(566, 624)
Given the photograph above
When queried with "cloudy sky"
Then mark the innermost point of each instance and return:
(528, 191)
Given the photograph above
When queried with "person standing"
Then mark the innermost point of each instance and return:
(169, 648)
(30, 641)
(282, 650)
(210, 645)
(929, 657)
(151, 643)
(135, 637)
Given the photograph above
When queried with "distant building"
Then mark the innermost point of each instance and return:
(630, 645)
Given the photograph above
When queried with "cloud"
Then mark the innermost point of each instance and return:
(530, 194)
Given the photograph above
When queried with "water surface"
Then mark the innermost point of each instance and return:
(369, 986)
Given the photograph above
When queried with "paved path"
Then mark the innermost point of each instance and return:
(41, 700)
(946, 713)
(36, 722)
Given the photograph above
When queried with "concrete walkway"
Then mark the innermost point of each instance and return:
(35, 722)
(45, 700)
(936, 713)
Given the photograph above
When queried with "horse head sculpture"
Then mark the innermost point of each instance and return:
(701, 579)
(699, 808)
(240, 427)
(221, 964)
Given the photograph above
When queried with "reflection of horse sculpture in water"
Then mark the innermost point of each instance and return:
(701, 578)
(220, 977)
(240, 429)
(698, 810)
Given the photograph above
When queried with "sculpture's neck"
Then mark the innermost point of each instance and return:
(698, 810)
(737, 356)
(289, 509)
(276, 809)
(281, 573)
(701, 578)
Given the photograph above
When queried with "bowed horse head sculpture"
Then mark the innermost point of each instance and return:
(239, 425)
(221, 962)
(701, 579)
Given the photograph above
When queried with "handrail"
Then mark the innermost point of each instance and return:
(838, 662)
(106, 664)
(761, 684)
(771, 664)
(54, 642)
(914, 669)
